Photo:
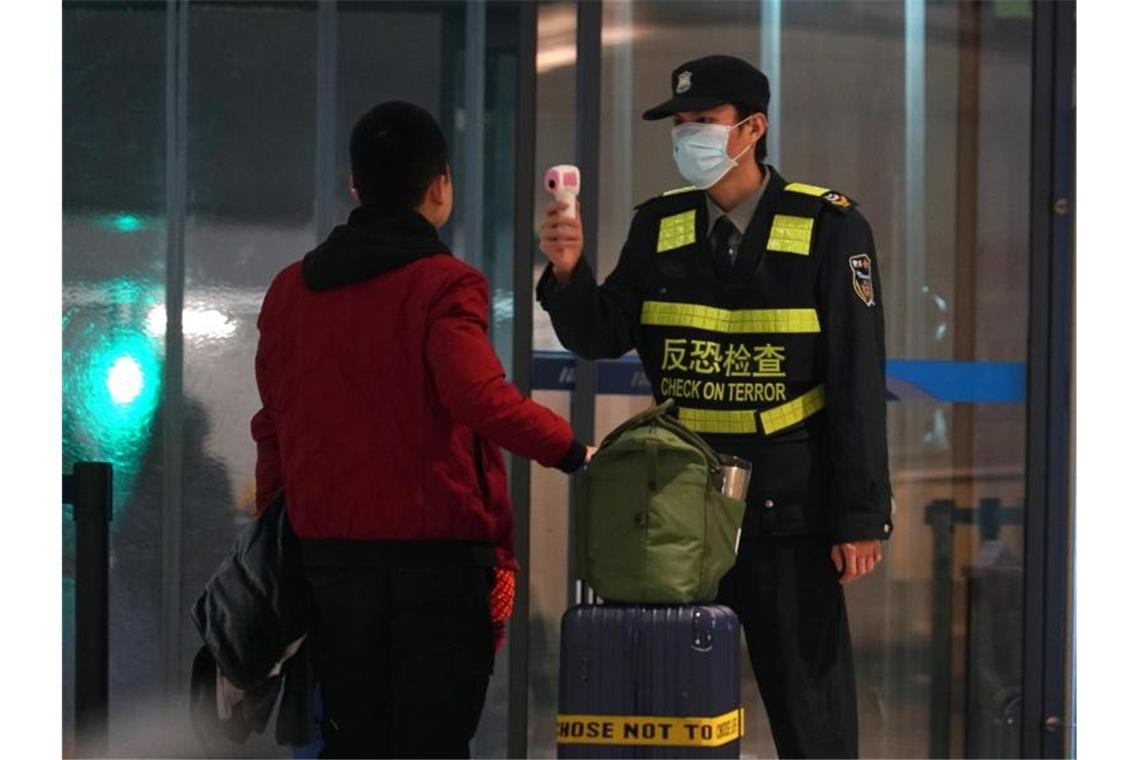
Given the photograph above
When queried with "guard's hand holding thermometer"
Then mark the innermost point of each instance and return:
(560, 236)
(563, 182)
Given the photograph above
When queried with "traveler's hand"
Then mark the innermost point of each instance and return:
(560, 239)
(590, 451)
(856, 559)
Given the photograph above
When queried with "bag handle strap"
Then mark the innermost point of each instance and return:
(653, 449)
(637, 420)
(674, 425)
(660, 415)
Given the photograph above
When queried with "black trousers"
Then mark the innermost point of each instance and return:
(786, 592)
(403, 648)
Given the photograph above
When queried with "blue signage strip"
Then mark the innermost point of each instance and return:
(963, 382)
(907, 379)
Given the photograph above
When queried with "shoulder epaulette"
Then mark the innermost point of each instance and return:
(835, 199)
(668, 194)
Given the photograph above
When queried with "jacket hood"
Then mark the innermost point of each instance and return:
(370, 244)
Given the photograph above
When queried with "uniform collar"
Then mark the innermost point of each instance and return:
(742, 215)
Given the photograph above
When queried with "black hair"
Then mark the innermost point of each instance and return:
(761, 151)
(397, 149)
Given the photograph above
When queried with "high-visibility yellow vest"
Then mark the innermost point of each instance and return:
(741, 356)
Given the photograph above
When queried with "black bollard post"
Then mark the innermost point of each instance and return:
(940, 516)
(91, 498)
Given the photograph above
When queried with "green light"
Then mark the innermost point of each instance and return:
(112, 382)
(125, 380)
(111, 388)
(128, 223)
(120, 387)
(123, 222)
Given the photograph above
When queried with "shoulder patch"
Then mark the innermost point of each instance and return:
(861, 279)
(673, 195)
(839, 200)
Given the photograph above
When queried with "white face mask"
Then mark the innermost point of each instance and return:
(701, 152)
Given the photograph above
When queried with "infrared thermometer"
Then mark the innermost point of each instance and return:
(563, 182)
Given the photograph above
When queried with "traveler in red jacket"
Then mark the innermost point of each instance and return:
(383, 410)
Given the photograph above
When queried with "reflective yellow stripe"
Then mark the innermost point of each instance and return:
(726, 422)
(649, 730)
(791, 234)
(800, 187)
(664, 314)
(677, 230)
(743, 421)
(678, 190)
(797, 410)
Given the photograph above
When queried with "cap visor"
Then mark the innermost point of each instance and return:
(678, 104)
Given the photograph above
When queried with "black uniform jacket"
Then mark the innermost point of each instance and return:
(781, 362)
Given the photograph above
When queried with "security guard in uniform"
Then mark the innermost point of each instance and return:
(756, 305)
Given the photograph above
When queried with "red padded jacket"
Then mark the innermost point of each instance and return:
(383, 403)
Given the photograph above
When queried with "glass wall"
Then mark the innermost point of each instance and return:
(114, 271)
(555, 113)
(251, 147)
(920, 112)
(271, 90)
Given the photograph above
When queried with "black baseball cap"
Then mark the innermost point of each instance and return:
(712, 81)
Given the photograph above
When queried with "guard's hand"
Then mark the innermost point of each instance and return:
(856, 559)
(560, 238)
(590, 451)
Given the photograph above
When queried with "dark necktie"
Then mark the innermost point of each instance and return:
(724, 247)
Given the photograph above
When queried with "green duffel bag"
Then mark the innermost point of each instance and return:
(653, 525)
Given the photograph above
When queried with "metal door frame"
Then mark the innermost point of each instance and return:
(1047, 726)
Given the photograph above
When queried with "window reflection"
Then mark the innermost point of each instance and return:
(880, 101)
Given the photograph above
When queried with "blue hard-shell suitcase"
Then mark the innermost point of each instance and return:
(649, 681)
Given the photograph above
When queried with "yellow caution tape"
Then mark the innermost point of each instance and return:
(652, 731)
(738, 321)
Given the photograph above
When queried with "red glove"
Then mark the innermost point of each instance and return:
(502, 603)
